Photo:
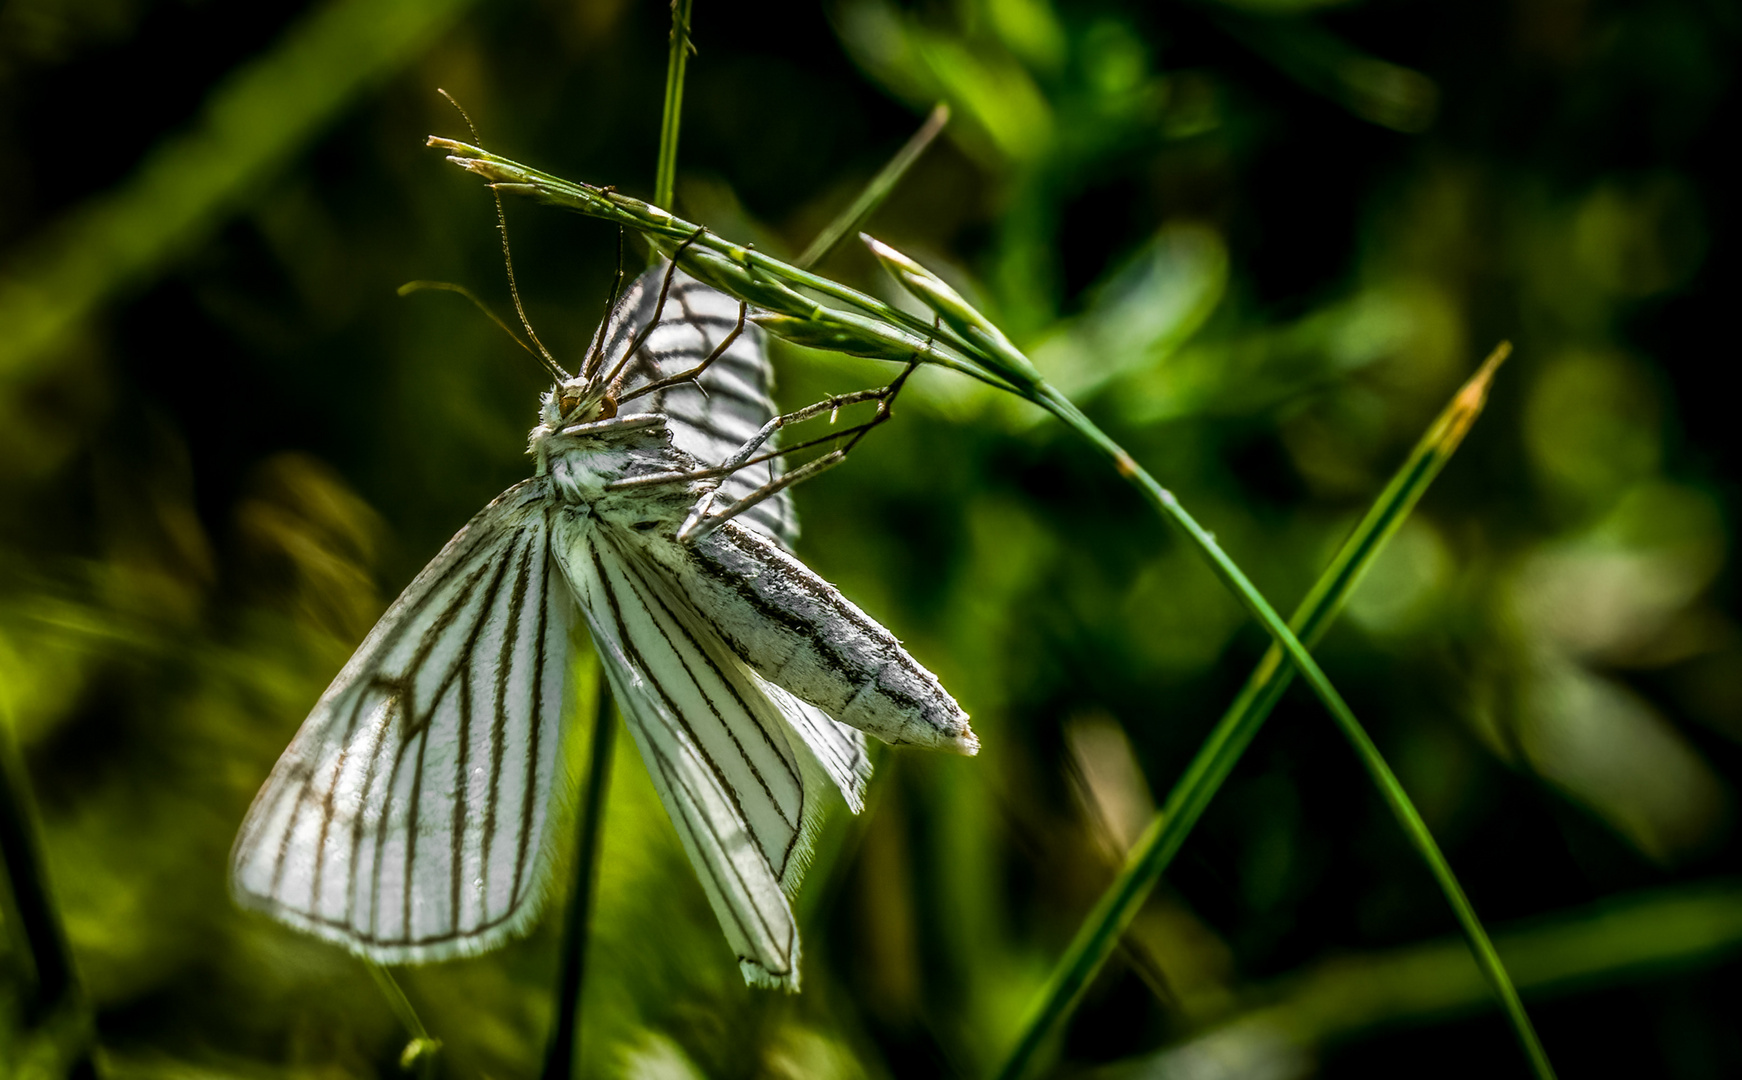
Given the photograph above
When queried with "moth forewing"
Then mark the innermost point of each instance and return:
(407, 820)
(797, 631)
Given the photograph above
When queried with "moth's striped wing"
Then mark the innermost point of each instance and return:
(743, 798)
(408, 818)
(733, 399)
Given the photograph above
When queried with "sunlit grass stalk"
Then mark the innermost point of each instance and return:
(1191, 795)
(977, 347)
(874, 329)
(877, 190)
(37, 923)
(1390, 789)
(564, 1040)
(562, 1047)
(423, 1049)
(1009, 361)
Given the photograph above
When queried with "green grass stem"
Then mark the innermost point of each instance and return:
(854, 217)
(1150, 857)
(665, 177)
(983, 351)
(423, 1049)
(764, 281)
(54, 1004)
(1619, 940)
(563, 1046)
(1390, 789)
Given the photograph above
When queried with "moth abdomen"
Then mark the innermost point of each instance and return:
(798, 631)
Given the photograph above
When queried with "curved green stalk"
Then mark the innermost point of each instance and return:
(751, 275)
(1161, 841)
(54, 1004)
(987, 354)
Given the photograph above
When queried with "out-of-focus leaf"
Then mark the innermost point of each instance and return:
(1000, 112)
(251, 125)
(1248, 372)
(1141, 314)
(1284, 1026)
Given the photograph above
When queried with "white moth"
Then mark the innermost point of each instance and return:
(409, 818)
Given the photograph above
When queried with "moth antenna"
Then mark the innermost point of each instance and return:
(447, 286)
(543, 354)
(555, 369)
(464, 115)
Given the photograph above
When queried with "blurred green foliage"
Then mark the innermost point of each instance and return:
(1261, 242)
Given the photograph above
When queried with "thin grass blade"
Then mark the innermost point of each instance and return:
(991, 348)
(985, 353)
(422, 1050)
(1616, 942)
(54, 1004)
(562, 1048)
(876, 191)
(665, 178)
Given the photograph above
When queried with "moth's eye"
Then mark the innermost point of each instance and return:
(568, 402)
(607, 407)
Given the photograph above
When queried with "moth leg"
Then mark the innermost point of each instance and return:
(596, 353)
(699, 524)
(642, 335)
(702, 520)
(692, 373)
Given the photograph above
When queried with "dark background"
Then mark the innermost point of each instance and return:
(1261, 243)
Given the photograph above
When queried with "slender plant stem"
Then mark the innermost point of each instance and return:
(564, 1044)
(1191, 794)
(55, 1002)
(665, 178)
(37, 921)
(423, 1049)
(876, 191)
(987, 354)
(992, 348)
(1390, 789)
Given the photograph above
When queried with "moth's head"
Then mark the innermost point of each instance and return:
(577, 401)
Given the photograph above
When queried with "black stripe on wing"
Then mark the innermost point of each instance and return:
(407, 818)
(734, 398)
